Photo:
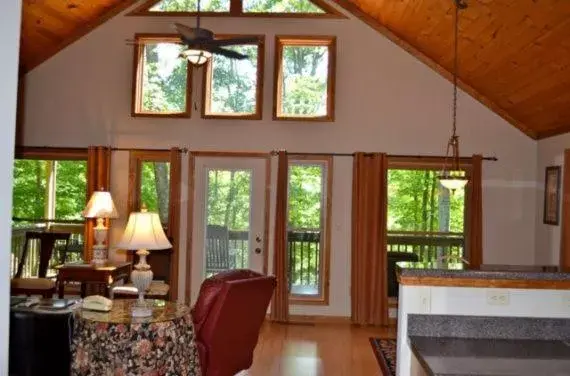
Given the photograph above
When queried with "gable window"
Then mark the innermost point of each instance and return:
(161, 82)
(49, 194)
(233, 88)
(238, 8)
(308, 230)
(304, 78)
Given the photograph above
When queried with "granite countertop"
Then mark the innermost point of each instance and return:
(491, 357)
(463, 270)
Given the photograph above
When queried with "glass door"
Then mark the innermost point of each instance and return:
(229, 216)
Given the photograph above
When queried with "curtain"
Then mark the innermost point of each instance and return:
(369, 293)
(475, 212)
(173, 231)
(280, 302)
(98, 178)
(565, 228)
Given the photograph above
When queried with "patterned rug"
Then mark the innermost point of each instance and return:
(385, 351)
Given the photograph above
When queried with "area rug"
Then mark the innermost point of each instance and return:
(385, 351)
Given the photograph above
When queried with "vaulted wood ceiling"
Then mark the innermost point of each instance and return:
(514, 55)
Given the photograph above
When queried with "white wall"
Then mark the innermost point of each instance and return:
(386, 100)
(10, 41)
(550, 153)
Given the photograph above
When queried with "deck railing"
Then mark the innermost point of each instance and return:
(428, 246)
(31, 264)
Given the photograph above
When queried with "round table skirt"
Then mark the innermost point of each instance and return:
(144, 349)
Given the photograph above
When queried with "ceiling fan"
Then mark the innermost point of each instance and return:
(202, 44)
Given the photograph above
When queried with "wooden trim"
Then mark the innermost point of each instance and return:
(564, 259)
(236, 10)
(207, 81)
(80, 32)
(485, 283)
(323, 299)
(318, 319)
(304, 40)
(189, 229)
(267, 210)
(174, 202)
(141, 41)
(31, 152)
(425, 163)
(353, 9)
(242, 154)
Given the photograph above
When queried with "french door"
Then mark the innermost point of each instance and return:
(229, 216)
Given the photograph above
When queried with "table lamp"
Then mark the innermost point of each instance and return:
(100, 206)
(143, 232)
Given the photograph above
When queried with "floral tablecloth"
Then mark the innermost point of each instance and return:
(115, 344)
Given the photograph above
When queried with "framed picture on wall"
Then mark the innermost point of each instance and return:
(551, 195)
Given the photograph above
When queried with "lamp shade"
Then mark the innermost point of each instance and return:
(453, 180)
(100, 205)
(195, 56)
(144, 231)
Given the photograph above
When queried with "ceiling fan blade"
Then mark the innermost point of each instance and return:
(227, 53)
(234, 41)
(186, 32)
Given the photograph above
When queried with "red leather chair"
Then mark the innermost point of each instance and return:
(227, 319)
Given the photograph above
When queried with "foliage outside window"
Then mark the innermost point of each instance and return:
(308, 229)
(233, 87)
(305, 70)
(237, 8)
(161, 84)
(155, 188)
(424, 217)
(191, 6)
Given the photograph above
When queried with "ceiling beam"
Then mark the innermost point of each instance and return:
(80, 32)
(353, 9)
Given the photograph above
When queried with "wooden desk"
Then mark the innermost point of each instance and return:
(87, 273)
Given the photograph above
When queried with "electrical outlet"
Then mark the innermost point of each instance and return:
(425, 301)
(497, 297)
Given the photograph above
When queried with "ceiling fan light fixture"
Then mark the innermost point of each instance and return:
(453, 180)
(196, 57)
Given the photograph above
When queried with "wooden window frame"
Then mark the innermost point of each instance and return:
(236, 10)
(136, 159)
(49, 153)
(437, 163)
(282, 41)
(141, 41)
(207, 80)
(326, 225)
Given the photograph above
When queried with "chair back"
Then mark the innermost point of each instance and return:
(47, 244)
(393, 258)
(227, 317)
(217, 249)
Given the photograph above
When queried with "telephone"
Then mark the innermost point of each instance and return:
(97, 303)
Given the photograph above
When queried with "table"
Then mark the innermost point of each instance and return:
(115, 343)
(89, 273)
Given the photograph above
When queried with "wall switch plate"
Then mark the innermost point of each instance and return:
(497, 297)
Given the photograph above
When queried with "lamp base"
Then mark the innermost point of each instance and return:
(141, 277)
(99, 255)
(141, 309)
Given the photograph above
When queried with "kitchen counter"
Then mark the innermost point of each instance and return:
(464, 275)
(491, 357)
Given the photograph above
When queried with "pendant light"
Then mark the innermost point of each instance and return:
(452, 177)
(196, 55)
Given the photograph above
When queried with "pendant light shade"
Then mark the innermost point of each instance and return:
(453, 180)
(196, 57)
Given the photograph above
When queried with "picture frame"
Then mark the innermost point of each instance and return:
(551, 195)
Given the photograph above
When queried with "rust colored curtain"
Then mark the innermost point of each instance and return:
(98, 178)
(565, 228)
(174, 217)
(369, 293)
(280, 301)
(475, 212)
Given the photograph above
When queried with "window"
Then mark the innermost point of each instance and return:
(161, 83)
(424, 217)
(237, 8)
(190, 6)
(233, 88)
(304, 78)
(308, 230)
(49, 193)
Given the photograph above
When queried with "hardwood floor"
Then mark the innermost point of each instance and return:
(316, 350)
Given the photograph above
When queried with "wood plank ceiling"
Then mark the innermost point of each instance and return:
(514, 55)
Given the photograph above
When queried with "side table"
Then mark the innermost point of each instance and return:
(88, 273)
(114, 343)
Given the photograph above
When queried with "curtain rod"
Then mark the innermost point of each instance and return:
(274, 152)
(112, 148)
